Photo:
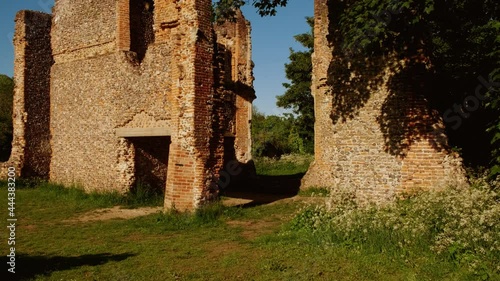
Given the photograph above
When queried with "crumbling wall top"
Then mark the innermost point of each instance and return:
(235, 36)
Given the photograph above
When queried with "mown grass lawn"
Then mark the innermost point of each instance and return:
(217, 243)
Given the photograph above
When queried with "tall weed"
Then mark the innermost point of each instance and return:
(456, 224)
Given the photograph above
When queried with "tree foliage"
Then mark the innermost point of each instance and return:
(298, 92)
(6, 94)
(273, 135)
(494, 103)
(224, 9)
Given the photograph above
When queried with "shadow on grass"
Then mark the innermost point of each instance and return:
(263, 189)
(28, 267)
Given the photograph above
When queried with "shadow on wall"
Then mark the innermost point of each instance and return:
(151, 162)
(40, 265)
(406, 115)
(351, 76)
(141, 27)
(351, 80)
(224, 128)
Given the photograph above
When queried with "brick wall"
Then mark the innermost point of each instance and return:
(375, 132)
(33, 59)
(236, 48)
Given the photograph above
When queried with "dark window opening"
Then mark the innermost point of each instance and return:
(229, 151)
(141, 26)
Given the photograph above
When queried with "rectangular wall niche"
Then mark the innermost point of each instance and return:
(141, 26)
(151, 160)
(229, 151)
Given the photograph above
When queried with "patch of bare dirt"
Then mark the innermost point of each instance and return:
(231, 202)
(255, 228)
(28, 227)
(115, 213)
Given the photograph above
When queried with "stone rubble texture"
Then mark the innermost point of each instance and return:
(95, 67)
(374, 131)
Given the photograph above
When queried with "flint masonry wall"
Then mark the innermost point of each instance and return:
(31, 141)
(97, 89)
(125, 112)
(374, 132)
(141, 92)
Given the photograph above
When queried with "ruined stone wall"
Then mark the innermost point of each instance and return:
(136, 96)
(375, 132)
(33, 59)
(96, 90)
(235, 48)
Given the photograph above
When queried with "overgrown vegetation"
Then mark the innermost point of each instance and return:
(273, 136)
(315, 192)
(138, 196)
(457, 225)
(448, 235)
(232, 243)
(212, 214)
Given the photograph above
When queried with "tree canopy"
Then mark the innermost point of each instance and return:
(274, 135)
(298, 92)
(224, 9)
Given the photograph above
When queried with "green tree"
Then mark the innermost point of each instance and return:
(298, 92)
(6, 94)
(494, 103)
(224, 9)
(274, 135)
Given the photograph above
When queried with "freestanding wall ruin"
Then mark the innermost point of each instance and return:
(135, 96)
(374, 132)
(33, 58)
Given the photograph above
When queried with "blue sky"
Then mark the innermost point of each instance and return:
(271, 39)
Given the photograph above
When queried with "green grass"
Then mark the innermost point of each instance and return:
(287, 165)
(215, 243)
(138, 196)
(315, 192)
